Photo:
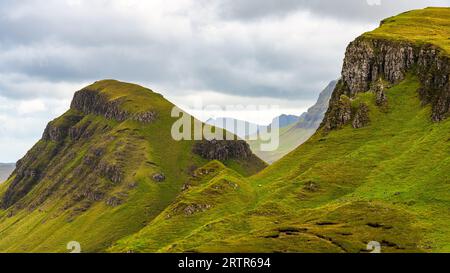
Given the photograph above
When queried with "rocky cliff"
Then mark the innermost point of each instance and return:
(222, 149)
(92, 102)
(373, 64)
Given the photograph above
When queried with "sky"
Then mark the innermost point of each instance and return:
(276, 55)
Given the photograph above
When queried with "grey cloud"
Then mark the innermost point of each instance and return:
(350, 10)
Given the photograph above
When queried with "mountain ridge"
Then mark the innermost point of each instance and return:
(109, 159)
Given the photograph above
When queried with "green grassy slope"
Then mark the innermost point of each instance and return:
(70, 201)
(426, 26)
(387, 182)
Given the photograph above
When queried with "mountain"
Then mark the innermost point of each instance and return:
(286, 120)
(5, 170)
(244, 129)
(313, 117)
(298, 130)
(241, 128)
(105, 169)
(376, 170)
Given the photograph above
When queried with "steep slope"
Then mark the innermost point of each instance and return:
(5, 170)
(376, 170)
(103, 170)
(294, 134)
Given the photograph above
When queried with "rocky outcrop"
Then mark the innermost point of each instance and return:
(158, 177)
(222, 149)
(361, 117)
(368, 60)
(380, 95)
(111, 171)
(93, 102)
(339, 113)
(58, 130)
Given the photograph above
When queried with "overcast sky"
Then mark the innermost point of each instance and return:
(280, 52)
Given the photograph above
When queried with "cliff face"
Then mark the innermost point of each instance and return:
(374, 64)
(92, 102)
(222, 149)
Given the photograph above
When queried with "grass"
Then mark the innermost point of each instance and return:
(425, 26)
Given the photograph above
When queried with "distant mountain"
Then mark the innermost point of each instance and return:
(241, 128)
(286, 120)
(5, 170)
(244, 128)
(296, 130)
(313, 117)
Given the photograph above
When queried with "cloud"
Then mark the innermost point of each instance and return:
(31, 106)
(349, 10)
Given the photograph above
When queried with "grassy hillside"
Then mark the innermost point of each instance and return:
(387, 182)
(96, 180)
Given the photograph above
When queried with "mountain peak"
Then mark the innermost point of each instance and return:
(120, 101)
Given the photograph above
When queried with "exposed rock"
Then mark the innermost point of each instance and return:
(111, 171)
(185, 187)
(132, 185)
(58, 130)
(158, 177)
(116, 200)
(92, 102)
(78, 132)
(361, 117)
(380, 96)
(190, 209)
(311, 186)
(369, 60)
(339, 113)
(222, 149)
